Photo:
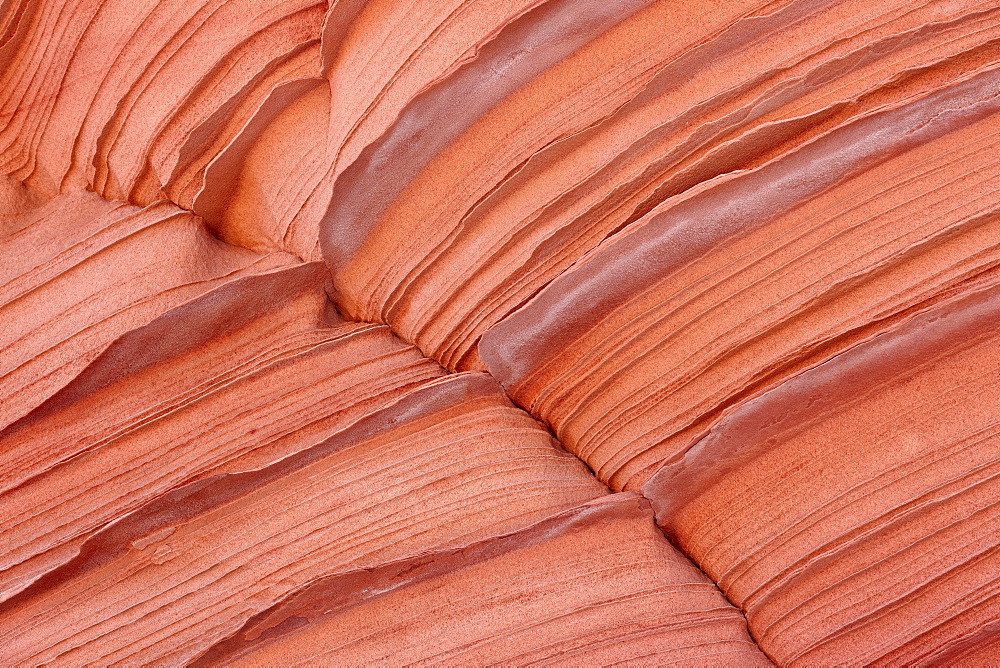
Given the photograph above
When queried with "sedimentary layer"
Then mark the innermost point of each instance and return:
(236, 379)
(326, 327)
(444, 465)
(851, 512)
(471, 203)
(749, 278)
(595, 584)
(79, 271)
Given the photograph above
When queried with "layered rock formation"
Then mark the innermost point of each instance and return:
(353, 333)
(746, 280)
(595, 584)
(876, 538)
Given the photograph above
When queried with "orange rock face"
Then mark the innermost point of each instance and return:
(585, 332)
(595, 584)
(876, 538)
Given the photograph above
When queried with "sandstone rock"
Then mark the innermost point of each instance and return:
(78, 272)
(851, 512)
(595, 584)
(327, 325)
(445, 465)
(749, 278)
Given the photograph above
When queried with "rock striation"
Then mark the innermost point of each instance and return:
(596, 584)
(468, 332)
(443, 466)
(851, 512)
(748, 279)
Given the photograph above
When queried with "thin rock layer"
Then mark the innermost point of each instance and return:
(595, 584)
(749, 278)
(327, 325)
(445, 465)
(852, 511)
(79, 271)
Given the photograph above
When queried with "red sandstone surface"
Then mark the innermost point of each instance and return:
(586, 332)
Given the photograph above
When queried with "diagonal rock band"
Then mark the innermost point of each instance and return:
(474, 332)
